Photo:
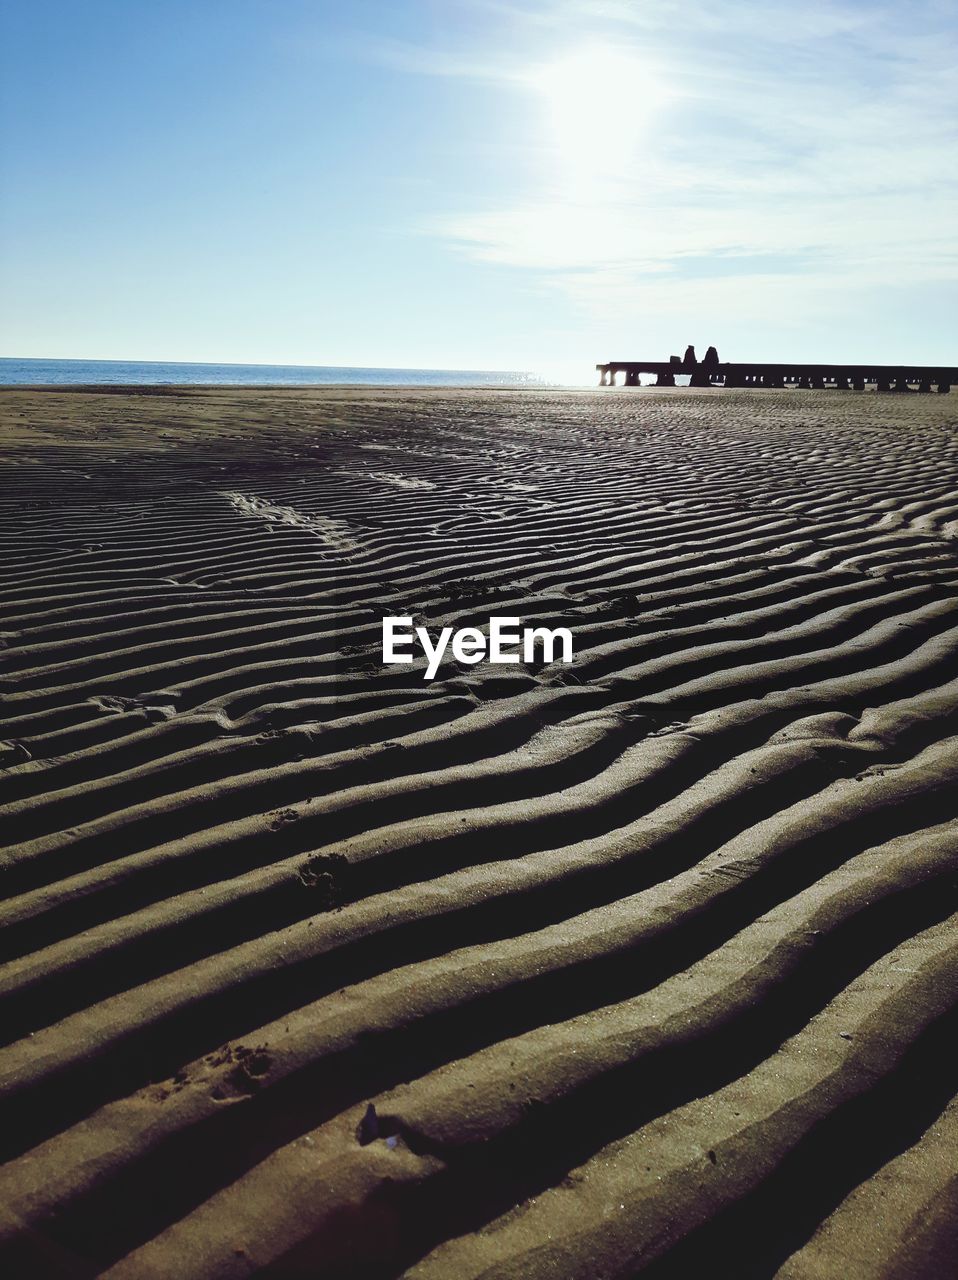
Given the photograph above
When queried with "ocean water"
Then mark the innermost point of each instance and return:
(15, 372)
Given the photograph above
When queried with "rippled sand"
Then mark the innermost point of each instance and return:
(643, 966)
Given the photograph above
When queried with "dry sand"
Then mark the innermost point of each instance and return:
(645, 965)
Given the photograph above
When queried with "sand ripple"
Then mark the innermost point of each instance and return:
(645, 965)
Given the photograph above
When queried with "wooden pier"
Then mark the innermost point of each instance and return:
(709, 372)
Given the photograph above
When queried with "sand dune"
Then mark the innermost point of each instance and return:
(643, 965)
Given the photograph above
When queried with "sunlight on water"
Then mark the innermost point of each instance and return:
(157, 373)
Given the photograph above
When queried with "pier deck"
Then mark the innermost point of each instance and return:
(842, 377)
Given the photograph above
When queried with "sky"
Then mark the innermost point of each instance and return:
(478, 184)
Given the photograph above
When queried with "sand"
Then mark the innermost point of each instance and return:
(640, 966)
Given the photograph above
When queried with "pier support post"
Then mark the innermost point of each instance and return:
(944, 388)
(882, 384)
(665, 380)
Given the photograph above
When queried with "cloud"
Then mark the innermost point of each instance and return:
(811, 146)
(446, 63)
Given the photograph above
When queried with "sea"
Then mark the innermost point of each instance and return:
(15, 372)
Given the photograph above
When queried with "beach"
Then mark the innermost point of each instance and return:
(641, 964)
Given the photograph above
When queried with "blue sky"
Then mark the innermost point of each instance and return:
(478, 183)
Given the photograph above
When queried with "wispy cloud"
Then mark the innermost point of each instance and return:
(417, 59)
(813, 146)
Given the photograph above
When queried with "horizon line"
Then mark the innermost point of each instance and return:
(259, 364)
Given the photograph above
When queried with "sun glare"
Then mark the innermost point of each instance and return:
(599, 102)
